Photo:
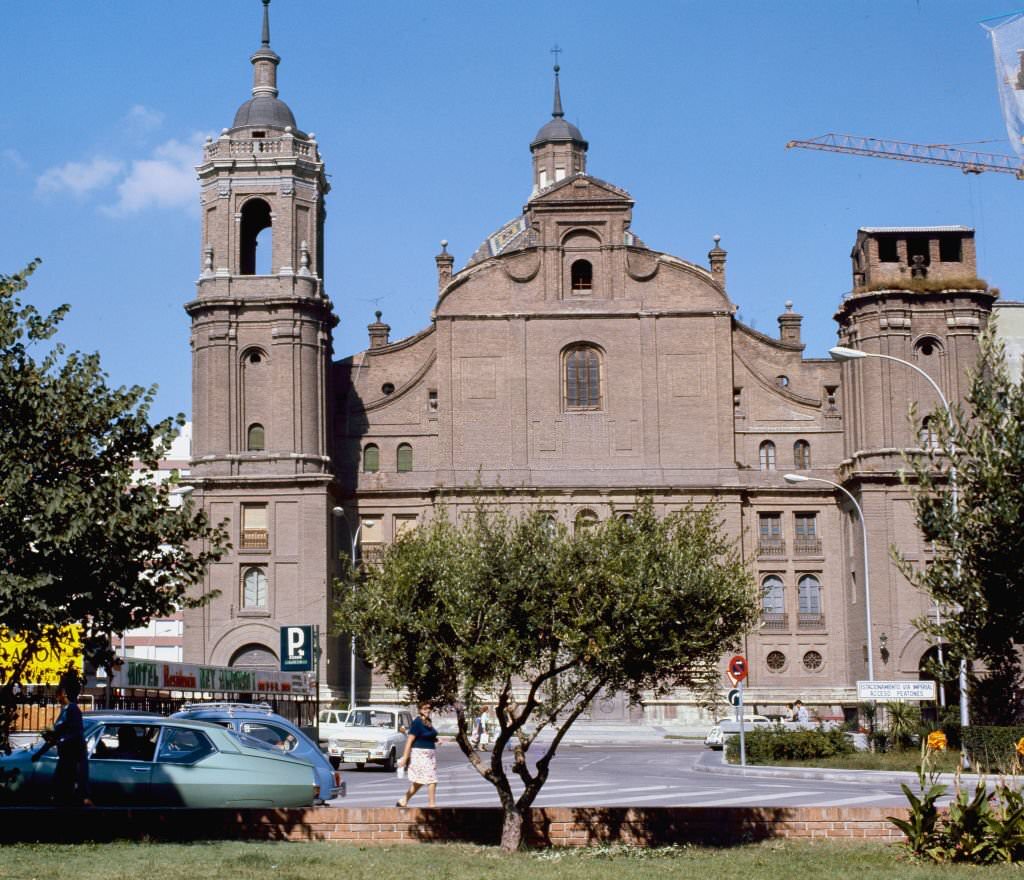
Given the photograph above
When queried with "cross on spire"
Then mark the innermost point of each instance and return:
(556, 51)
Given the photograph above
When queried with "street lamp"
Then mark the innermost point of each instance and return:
(340, 511)
(841, 353)
(800, 478)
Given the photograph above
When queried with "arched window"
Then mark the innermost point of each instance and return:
(255, 219)
(582, 275)
(802, 455)
(766, 455)
(772, 598)
(254, 588)
(371, 458)
(256, 441)
(809, 596)
(583, 377)
(927, 347)
(585, 519)
(404, 458)
(927, 436)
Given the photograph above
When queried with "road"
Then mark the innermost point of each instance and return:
(657, 775)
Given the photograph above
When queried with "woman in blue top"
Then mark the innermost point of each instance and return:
(421, 757)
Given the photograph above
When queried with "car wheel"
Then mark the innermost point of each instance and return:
(359, 766)
(390, 763)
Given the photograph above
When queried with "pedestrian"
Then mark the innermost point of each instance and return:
(482, 729)
(71, 777)
(420, 757)
(790, 713)
(801, 712)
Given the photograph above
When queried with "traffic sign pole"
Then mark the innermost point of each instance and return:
(743, 740)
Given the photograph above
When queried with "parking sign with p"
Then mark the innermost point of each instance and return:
(296, 648)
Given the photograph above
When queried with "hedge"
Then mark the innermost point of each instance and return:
(993, 748)
(777, 744)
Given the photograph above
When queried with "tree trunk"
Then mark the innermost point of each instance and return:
(512, 830)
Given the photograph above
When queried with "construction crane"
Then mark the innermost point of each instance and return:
(968, 161)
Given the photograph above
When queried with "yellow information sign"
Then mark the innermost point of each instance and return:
(50, 660)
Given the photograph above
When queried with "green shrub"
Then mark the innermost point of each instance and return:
(993, 748)
(778, 744)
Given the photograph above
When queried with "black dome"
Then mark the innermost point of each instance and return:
(266, 112)
(558, 129)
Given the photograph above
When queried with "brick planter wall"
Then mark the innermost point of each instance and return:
(555, 826)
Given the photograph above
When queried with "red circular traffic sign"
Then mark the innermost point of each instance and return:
(738, 668)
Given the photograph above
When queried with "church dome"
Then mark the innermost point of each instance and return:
(266, 112)
(557, 129)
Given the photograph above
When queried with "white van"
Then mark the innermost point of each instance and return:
(730, 727)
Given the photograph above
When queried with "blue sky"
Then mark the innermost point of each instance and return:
(424, 113)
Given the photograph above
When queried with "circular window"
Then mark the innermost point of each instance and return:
(782, 381)
(255, 358)
(776, 660)
(388, 388)
(812, 661)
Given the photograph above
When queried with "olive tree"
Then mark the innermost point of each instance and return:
(518, 611)
(87, 537)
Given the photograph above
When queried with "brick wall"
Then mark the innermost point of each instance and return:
(558, 826)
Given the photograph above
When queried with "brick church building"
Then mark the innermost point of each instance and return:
(574, 366)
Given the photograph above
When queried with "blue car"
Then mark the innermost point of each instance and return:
(257, 721)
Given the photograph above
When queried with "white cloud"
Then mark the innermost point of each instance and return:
(12, 157)
(166, 180)
(79, 178)
(141, 119)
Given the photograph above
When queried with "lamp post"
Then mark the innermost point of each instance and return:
(800, 478)
(841, 353)
(340, 512)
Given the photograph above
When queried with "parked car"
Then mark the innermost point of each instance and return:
(166, 762)
(331, 723)
(371, 735)
(727, 727)
(259, 721)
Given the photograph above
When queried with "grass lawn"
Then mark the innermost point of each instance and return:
(310, 861)
(945, 762)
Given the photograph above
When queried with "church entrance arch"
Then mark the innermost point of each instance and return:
(255, 656)
(926, 669)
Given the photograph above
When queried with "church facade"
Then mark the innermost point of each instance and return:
(577, 370)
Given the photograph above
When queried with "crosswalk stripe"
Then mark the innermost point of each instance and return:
(732, 801)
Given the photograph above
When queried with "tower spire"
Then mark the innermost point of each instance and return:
(557, 112)
(266, 23)
(265, 61)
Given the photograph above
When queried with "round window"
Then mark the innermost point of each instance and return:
(775, 660)
(812, 661)
(388, 388)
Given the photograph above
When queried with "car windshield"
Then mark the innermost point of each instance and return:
(371, 718)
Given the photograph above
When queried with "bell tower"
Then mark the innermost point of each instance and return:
(261, 351)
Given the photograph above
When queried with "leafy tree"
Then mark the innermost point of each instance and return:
(537, 621)
(84, 539)
(977, 571)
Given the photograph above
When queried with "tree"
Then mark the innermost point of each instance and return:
(521, 613)
(977, 572)
(86, 538)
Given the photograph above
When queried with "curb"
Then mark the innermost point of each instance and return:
(708, 764)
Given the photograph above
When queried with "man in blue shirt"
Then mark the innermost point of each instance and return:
(71, 778)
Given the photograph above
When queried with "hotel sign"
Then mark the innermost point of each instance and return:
(158, 675)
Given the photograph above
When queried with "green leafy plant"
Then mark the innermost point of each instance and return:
(778, 744)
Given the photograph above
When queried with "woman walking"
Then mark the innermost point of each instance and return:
(420, 757)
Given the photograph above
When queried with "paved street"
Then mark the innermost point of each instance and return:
(606, 775)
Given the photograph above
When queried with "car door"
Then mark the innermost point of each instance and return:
(121, 764)
(184, 774)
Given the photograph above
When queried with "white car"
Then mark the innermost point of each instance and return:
(728, 727)
(371, 735)
(331, 723)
